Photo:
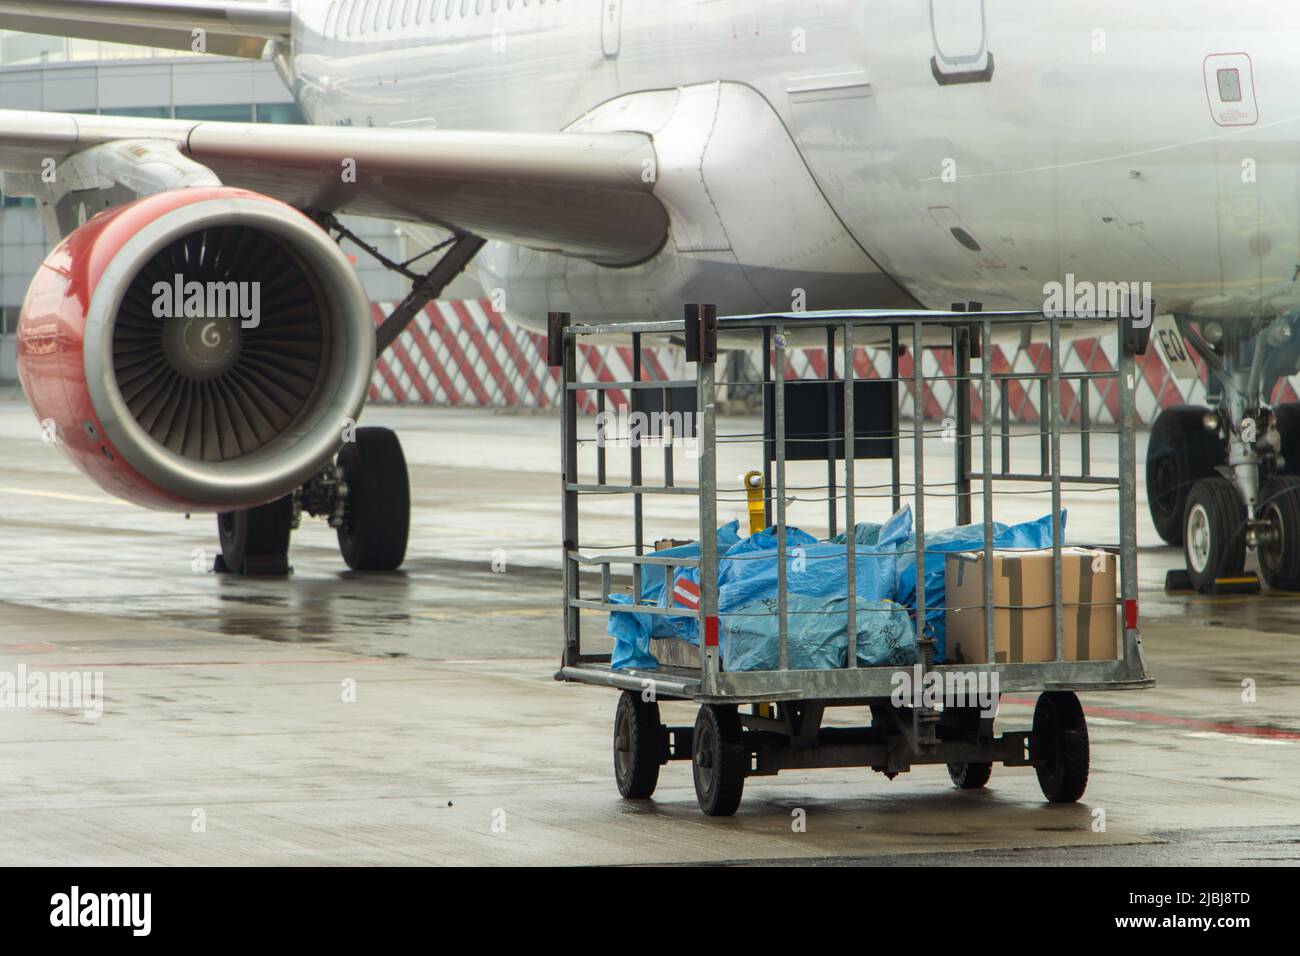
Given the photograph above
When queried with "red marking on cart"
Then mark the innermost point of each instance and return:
(686, 593)
(1131, 614)
(710, 632)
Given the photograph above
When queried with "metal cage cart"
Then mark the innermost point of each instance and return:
(759, 722)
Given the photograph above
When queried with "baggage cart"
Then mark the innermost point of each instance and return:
(759, 722)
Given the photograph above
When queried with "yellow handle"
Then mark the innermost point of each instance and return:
(754, 492)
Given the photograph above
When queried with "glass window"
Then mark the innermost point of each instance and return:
(1230, 86)
(279, 113)
(231, 113)
(157, 112)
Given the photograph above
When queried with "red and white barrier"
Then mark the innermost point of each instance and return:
(464, 353)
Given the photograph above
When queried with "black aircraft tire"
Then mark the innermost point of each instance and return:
(1279, 559)
(1214, 536)
(377, 522)
(256, 540)
(1180, 452)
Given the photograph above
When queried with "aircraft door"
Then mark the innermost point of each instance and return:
(611, 26)
(961, 52)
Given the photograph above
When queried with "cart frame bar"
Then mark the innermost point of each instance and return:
(969, 332)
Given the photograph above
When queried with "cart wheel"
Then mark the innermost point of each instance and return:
(1214, 542)
(1279, 557)
(963, 724)
(718, 759)
(970, 776)
(640, 746)
(1060, 746)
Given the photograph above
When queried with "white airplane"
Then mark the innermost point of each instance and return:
(622, 157)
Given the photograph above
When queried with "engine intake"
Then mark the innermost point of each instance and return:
(198, 350)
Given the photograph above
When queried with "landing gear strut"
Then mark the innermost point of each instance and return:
(365, 493)
(1220, 480)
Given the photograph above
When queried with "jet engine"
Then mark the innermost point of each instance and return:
(197, 350)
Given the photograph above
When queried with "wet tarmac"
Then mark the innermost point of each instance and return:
(332, 717)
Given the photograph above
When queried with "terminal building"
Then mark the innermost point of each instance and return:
(83, 76)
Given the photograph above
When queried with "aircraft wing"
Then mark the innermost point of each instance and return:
(588, 195)
(230, 29)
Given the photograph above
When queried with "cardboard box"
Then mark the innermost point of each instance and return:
(663, 544)
(1023, 615)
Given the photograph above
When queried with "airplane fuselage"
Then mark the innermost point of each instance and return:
(847, 153)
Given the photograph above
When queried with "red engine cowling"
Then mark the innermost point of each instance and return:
(197, 350)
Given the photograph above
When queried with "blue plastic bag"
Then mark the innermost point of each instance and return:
(816, 634)
(748, 572)
(652, 578)
(886, 636)
(865, 532)
(1027, 536)
(632, 631)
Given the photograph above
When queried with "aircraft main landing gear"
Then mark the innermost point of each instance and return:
(364, 494)
(376, 517)
(256, 540)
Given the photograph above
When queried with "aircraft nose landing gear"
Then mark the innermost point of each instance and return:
(1279, 533)
(1219, 481)
(1214, 540)
(1181, 452)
